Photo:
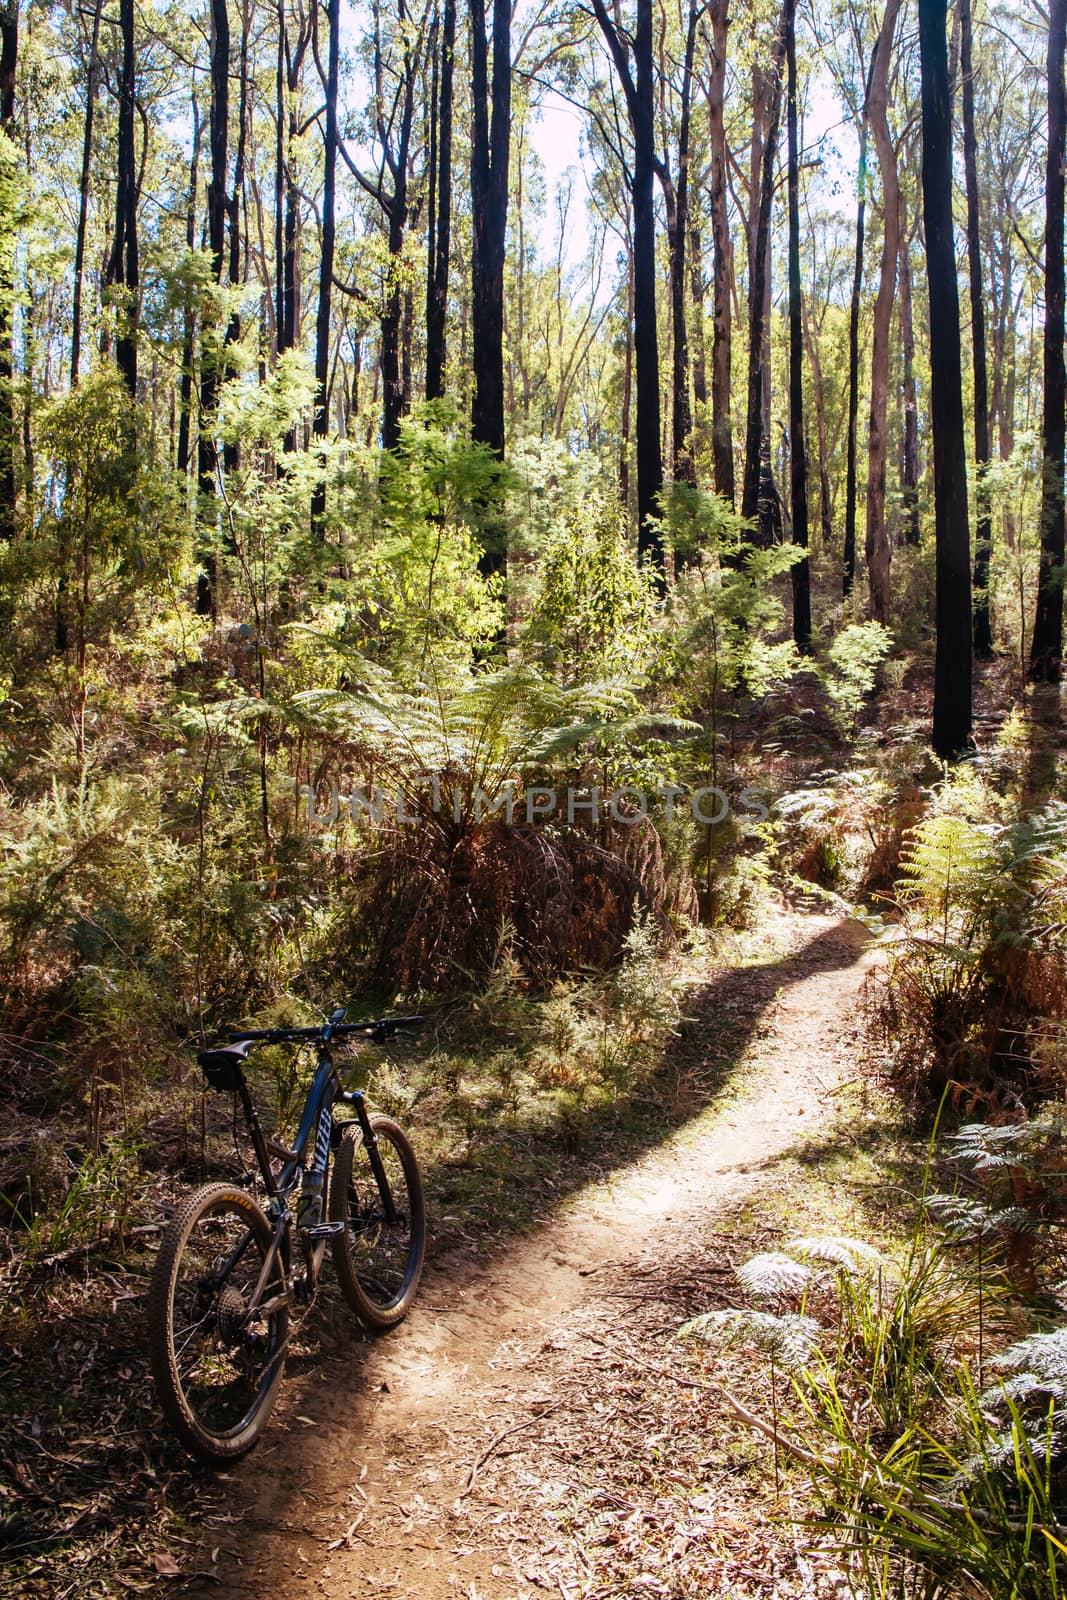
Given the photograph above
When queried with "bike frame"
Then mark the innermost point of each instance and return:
(316, 1123)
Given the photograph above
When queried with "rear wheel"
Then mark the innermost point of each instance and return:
(378, 1257)
(216, 1368)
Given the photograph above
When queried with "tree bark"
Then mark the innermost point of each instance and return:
(877, 542)
(237, 202)
(759, 261)
(849, 554)
(9, 43)
(125, 268)
(92, 79)
(489, 194)
(798, 465)
(210, 351)
(207, 462)
(185, 383)
(909, 468)
(638, 87)
(437, 298)
(983, 633)
(722, 427)
(677, 202)
(321, 425)
(952, 665)
(1046, 647)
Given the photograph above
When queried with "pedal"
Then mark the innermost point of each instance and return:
(322, 1230)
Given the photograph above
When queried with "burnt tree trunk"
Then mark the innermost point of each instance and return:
(9, 44)
(758, 292)
(983, 633)
(638, 87)
(185, 383)
(722, 427)
(1046, 646)
(321, 425)
(440, 241)
(125, 268)
(952, 664)
(92, 81)
(798, 464)
(848, 578)
(877, 540)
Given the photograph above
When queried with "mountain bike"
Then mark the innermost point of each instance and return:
(230, 1270)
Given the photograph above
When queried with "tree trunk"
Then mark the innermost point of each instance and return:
(677, 239)
(798, 465)
(489, 194)
(639, 90)
(983, 633)
(759, 261)
(125, 272)
(437, 298)
(83, 196)
(237, 202)
(210, 351)
(909, 469)
(9, 43)
(952, 666)
(326, 258)
(722, 427)
(877, 543)
(811, 345)
(1046, 647)
(185, 383)
(849, 556)
(210, 345)
(696, 294)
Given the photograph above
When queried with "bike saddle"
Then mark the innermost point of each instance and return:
(222, 1067)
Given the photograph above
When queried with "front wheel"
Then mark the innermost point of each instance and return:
(217, 1365)
(378, 1254)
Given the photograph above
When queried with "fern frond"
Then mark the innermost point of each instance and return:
(790, 1340)
(773, 1273)
(855, 1256)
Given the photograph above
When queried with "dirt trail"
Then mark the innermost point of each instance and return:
(375, 1475)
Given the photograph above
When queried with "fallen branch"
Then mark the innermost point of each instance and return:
(516, 1427)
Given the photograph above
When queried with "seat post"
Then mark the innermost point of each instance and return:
(259, 1143)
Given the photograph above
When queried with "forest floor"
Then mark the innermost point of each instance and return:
(535, 1427)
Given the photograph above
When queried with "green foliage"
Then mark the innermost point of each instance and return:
(977, 989)
(851, 668)
(595, 612)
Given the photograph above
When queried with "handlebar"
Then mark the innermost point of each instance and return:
(374, 1028)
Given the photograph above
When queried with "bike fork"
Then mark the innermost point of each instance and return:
(377, 1166)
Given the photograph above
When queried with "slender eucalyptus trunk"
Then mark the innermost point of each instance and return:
(1046, 647)
(92, 79)
(877, 541)
(952, 664)
(798, 464)
(909, 467)
(437, 297)
(983, 632)
(848, 579)
(759, 262)
(326, 258)
(125, 270)
(185, 382)
(722, 428)
(638, 87)
(9, 44)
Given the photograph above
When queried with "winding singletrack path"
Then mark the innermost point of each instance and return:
(463, 1454)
